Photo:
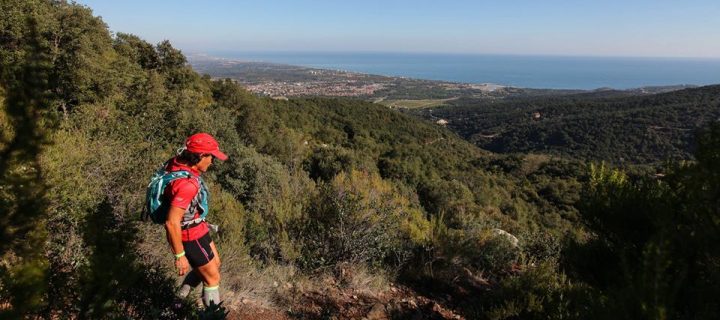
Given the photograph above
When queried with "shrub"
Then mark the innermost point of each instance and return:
(357, 218)
(274, 200)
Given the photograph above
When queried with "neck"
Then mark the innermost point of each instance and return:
(193, 167)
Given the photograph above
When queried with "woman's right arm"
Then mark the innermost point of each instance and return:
(174, 237)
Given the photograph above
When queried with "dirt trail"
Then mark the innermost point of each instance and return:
(336, 303)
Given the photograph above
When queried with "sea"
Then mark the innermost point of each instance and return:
(525, 71)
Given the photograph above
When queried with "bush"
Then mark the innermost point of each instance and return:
(326, 162)
(274, 200)
(357, 218)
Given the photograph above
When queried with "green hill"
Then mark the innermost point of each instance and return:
(606, 126)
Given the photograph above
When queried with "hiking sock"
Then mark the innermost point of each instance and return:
(191, 281)
(211, 294)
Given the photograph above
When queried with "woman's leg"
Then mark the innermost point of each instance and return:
(215, 252)
(210, 274)
(191, 281)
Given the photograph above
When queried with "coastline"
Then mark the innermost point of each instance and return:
(519, 71)
(280, 80)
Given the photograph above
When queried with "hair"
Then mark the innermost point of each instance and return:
(189, 158)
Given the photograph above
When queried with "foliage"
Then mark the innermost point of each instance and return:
(357, 218)
(619, 128)
(25, 67)
(653, 253)
(318, 183)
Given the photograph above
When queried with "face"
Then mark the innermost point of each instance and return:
(205, 162)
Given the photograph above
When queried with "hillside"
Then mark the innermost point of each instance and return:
(116, 107)
(613, 126)
(327, 207)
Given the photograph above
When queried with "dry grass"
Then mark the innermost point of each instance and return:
(257, 286)
(416, 104)
(358, 278)
(242, 281)
(245, 285)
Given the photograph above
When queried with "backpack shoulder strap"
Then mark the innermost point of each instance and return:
(199, 202)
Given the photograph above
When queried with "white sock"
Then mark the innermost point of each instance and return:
(211, 295)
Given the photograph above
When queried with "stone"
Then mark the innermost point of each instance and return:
(377, 312)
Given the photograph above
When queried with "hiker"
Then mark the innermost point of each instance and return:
(187, 231)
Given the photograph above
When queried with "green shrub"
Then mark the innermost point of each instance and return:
(357, 218)
(326, 162)
(274, 200)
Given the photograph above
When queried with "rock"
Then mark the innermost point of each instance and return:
(513, 240)
(436, 308)
(412, 303)
(377, 312)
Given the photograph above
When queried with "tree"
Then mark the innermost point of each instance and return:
(654, 254)
(24, 101)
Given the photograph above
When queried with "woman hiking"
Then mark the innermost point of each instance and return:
(187, 232)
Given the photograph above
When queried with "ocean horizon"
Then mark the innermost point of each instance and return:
(525, 71)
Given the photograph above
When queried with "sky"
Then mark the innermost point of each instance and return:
(626, 28)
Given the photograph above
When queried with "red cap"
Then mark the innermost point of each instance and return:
(204, 143)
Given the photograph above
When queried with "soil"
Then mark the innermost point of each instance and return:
(398, 302)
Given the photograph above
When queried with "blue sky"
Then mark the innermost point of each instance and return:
(658, 28)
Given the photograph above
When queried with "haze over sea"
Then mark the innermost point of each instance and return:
(527, 71)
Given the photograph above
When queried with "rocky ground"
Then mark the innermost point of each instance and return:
(398, 302)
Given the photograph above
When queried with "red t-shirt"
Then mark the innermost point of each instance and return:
(181, 192)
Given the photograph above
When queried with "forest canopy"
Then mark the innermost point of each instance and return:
(618, 127)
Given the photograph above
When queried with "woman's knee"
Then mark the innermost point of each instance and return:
(210, 273)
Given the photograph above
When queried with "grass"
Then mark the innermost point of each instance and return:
(415, 104)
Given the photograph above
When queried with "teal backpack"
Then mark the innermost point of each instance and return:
(156, 208)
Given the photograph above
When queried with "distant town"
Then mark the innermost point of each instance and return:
(281, 81)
